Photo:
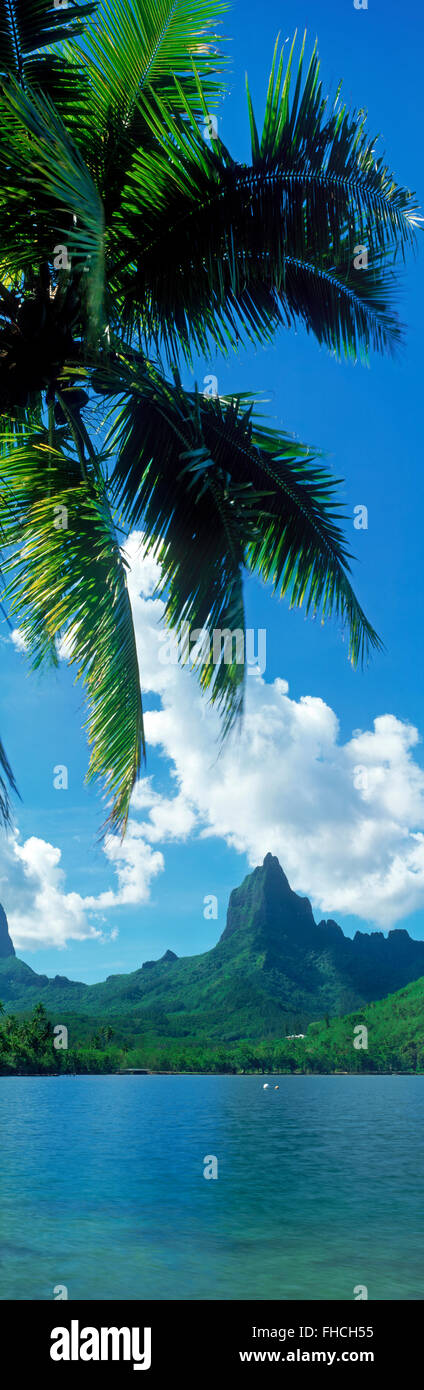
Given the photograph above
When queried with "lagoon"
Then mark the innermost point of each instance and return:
(320, 1187)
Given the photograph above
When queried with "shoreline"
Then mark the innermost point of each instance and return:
(36, 1075)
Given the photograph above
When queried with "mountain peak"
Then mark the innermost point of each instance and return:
(266, 907)
(271, 862)
(271, 868)
(6, 944)
(166, 959)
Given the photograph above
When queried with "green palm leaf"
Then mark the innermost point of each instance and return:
(68, 581)
(217, 493)
(136, 47)
(48, 199)
(34, 37)
(7, 784)
(27, 27)
(214, 249)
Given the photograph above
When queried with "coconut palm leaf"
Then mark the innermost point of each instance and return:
(214, 249)
(34, 51)
(135, 47)
(66, 580)
(7, 784)
(50, 165)
(27, 30)
(216, 494)
(49, 204)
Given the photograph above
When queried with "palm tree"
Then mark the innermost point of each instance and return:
(131, 240)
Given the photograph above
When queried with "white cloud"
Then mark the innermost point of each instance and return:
(18, 639)
(170, 818)
(135, 864)
(41, 912)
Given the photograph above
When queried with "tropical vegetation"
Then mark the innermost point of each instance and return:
(393, 1042)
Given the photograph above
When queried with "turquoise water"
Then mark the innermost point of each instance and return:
(320, 1187)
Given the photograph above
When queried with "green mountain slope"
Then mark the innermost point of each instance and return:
(386, 1036)
(273, 971)
(394, 1038)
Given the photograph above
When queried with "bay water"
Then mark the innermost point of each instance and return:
(319, 1189)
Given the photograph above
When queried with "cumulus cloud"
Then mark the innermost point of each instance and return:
(40, 909)
(18, 639)
(135, 864)
(32, 888)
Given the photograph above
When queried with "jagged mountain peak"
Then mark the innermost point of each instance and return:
(266, 907)
(6, 944)
(166, 959)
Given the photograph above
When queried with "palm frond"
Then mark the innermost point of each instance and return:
(28, 28)
(298, 544)
(328, 163)
(165, 481)
(135, 47)
(48, 199)
(7, 785)
(66, 580)
(207, 249)
(133, 50)
(215, 494)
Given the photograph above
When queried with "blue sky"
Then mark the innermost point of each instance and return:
(369, 421)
